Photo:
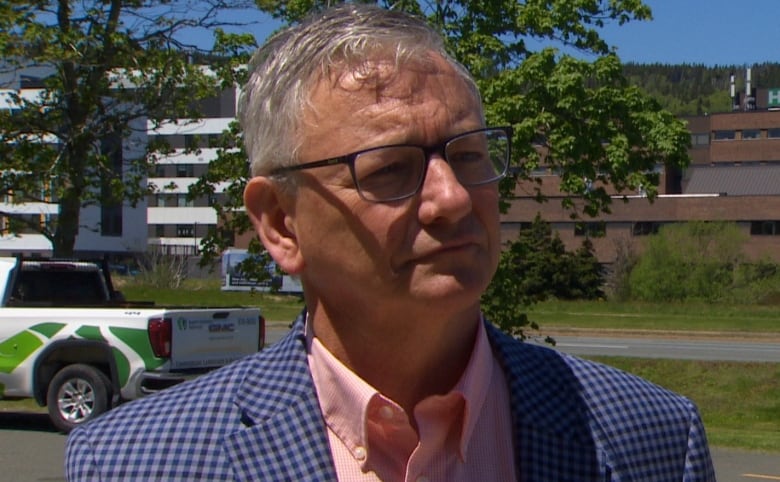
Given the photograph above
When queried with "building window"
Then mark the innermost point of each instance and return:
(229, 236)
(159, 230)
(183, 202)
(222, 105)
(524, 225)
(111, 206)
(197, 141)
(210, 107)
(185, 170)
(173, 141)
(725, 135)
(645, 228)
(592, 230)
(773, 133)
(185, 230)
(765, 228)
(751, 134)
(111, 220)
(699, 139)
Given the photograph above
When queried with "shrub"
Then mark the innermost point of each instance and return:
(162, 270)
(699, 261)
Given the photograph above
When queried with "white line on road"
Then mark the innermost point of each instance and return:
(759, 476)
(592, 345)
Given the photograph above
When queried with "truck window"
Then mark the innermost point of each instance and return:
(60, 287)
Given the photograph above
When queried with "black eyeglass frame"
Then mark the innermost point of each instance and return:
(349, 160)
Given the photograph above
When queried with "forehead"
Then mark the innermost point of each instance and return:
(382, 100)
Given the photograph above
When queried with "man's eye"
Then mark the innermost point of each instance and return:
(386, 171)
(466, 157)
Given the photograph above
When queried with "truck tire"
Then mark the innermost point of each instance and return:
(77, 394)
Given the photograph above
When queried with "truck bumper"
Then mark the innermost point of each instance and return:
(152, 382)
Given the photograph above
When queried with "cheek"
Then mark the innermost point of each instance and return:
(485, 202)
(385, 233)
(353, 233)
(486, 207)
(385, 230)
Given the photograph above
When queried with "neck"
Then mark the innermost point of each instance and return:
(406, 358)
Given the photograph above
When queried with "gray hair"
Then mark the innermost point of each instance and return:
(286, 68)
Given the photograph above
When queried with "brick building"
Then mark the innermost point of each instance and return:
(734, 176)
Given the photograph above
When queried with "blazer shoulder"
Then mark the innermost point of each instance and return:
(642, 429)
(207, 397)
(599, 383)
(181, 431)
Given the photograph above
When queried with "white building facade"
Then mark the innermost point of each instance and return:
(116, 231)
(166, 221)
(176, 224)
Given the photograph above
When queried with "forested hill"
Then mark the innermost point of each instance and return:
(698, 89)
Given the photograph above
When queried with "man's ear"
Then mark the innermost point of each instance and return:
(271, 211)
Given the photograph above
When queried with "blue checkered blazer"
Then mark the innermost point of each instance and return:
(259, 419)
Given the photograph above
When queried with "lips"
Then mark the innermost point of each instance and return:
(453, 247)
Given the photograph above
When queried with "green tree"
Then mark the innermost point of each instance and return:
(686, 89)
(587, 276)
(537, 267)
(619, 272)
(695, 260)
(540, 261)
(526, 273)
(577, 115)
(107, 68)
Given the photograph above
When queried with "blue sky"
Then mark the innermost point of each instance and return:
(709, 32)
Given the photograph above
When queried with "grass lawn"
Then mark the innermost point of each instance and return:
(207, 293)
(738, 319)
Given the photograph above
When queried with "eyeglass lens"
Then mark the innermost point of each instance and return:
(396, 172)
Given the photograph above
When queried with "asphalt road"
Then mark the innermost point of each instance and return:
(679, 349)
(31, 450)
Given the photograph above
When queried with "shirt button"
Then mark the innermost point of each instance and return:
(386, 412)
(360, 453)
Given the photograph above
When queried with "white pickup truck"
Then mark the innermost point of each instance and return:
(69, 340)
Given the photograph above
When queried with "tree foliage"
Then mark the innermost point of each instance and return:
(700, 261)
(537, 267)
(695, 89)
(576, 115)
(108, 69)
(695, 260)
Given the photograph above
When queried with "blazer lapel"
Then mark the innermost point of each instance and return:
(284, 436)
(553, 440)
(285, 439)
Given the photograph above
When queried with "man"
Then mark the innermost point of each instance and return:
(375, 181)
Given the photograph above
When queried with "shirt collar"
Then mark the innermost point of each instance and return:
(345, 397)
(473, 385)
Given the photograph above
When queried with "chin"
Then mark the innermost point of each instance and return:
(453, 287)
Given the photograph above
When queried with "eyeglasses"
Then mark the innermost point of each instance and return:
(395, 172)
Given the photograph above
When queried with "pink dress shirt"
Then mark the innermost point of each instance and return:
(464, 435)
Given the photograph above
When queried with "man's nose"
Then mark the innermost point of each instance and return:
(442, 196)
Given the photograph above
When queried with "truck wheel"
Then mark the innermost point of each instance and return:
(77, 394)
